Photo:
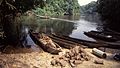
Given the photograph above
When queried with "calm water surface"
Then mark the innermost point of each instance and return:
(72, 26)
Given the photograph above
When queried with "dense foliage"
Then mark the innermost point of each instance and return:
(59, 7)
(9, 11)
(89, 8)
(110, 12)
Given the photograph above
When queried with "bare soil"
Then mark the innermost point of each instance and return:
(35, 57)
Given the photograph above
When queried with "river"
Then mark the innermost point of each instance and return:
(73, 26)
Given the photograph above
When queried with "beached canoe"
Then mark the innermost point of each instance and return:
(91, 44)
(64, 43)
(46, 43)
(101, 36)
(115, 35)
(72, 39)
(66, 39)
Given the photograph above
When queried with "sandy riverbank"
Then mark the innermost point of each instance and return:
(35, 57)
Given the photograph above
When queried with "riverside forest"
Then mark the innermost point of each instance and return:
(59, 33)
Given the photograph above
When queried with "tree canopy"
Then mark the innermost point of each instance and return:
(22, 5)
(58, 7)
(9, 9)
(89, 8)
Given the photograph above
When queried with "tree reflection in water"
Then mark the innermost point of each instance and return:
(75, 29)
(55, 26)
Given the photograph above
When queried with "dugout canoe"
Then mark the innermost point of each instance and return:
(46, 43)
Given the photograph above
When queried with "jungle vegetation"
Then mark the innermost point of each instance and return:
(90, 8)
(11, 10)
(59, 7)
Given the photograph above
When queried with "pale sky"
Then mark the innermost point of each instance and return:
(84, 2)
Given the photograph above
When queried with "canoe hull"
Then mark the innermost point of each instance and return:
(98, 35)
(45, 47)
(90, 44)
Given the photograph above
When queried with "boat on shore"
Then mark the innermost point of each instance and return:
(113, 32)
(90, 44)
(70, 40)
(46, 43)
(101, 36)
(64, 43)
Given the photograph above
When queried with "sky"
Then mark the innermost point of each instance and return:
(84, 2)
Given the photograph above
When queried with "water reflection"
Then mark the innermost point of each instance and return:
(77, 17)
(55, 26)
(75, 29)
(81, 26)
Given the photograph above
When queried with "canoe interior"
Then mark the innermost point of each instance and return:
(47, 48)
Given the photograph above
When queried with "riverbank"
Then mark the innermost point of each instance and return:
(30, 58)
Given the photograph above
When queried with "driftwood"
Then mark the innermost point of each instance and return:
(46, 43)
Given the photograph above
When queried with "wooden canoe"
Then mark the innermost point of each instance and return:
(79, 42)
(113, 32)
(101, 36)
(72, 39)
(46, 43)
(114, 35)
(91, 44)
(64, 43)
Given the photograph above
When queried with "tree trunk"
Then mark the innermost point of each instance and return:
(10, 30)
(8, 22)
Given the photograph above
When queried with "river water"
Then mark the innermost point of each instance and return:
(73, 26)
